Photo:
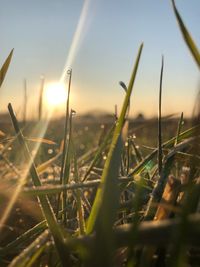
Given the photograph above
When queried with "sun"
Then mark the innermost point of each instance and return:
(55, 94)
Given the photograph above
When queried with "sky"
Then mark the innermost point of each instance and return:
(102, 53)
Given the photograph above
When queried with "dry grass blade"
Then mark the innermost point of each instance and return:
(187, 37)
(41, 140)
(4, 68)
(43, 166)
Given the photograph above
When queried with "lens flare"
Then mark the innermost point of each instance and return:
(78, 35)
(55, 94)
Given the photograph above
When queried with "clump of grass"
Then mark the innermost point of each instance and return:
(131, 210)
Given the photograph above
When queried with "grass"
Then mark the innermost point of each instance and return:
(115, 205)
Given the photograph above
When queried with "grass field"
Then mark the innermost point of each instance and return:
(118, 192)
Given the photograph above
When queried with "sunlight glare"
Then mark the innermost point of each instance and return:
(55, 94)
(78, 36)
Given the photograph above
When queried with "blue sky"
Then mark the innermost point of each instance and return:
(41, 33)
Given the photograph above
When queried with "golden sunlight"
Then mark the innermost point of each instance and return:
(55, 94)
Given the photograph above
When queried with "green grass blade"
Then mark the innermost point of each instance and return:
(25, 237)
(80, 210)
(111, 167)
(32, 252)
(66, 129)
(65, 146)
(66, 170)
(99, 152)
(5, 66)
(180, 124)
(104, 209)
(169, 144)
(187, 37)
(160, 156)
(44, 202)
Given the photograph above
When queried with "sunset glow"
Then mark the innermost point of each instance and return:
(55, 94)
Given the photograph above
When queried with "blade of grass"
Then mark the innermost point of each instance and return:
(32, 252)
(49, 189)
(180, 124)
(168, 144)
(99, 152)
(80, 209)
(106, 202)
(64, 151)
(160, 122)
(26, 237)
(138, 154)
(160, 185)
(66, 170)
(23, 238)
(43, 200)
(43, 166)
(107, 172)
(5, 66)
(150, 233)
(187, 37)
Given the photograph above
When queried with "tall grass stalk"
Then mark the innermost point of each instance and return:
(65, 145)
(43, 200)
(105, 205)
(160, 121)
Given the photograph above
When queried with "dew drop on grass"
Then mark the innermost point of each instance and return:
(50, 151)
(73, 112)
